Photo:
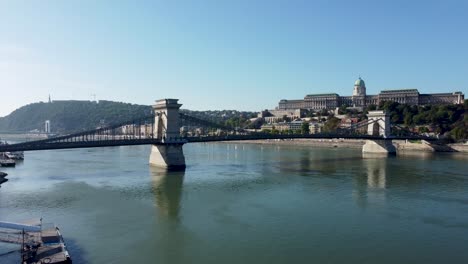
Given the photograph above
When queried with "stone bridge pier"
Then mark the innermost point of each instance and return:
(379, 125)
(169, 154)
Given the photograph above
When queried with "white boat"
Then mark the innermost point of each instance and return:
(17, 155)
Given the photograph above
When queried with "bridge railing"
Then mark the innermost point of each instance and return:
(265, 136)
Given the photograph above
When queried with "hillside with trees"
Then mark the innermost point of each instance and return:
(228, 118)
(71, 116)
(74, 116)
(449, 120)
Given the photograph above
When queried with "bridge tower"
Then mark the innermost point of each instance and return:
(379, 125)
(169, 154)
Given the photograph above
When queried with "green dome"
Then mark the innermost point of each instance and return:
(359, 82)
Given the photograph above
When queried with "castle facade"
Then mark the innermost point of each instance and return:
(360, 99)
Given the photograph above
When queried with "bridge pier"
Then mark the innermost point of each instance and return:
(169, 154)
(384, 146)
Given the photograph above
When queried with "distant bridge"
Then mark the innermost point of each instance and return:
(162, 130)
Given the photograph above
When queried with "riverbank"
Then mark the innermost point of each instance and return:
(401, 145)
(22, 137)
(326, 143)
(460, 147)
(424, 146)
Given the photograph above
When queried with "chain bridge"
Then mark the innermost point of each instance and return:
(162, 131)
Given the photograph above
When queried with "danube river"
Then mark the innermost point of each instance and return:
(247, 203)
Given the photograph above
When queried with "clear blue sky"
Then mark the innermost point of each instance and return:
(235, 54)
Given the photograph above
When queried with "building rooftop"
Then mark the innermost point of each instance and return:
(359, 82)
(325, 94)
(446, 94)
(400, 91)
(296, 100)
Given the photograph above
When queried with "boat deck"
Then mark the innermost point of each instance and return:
(51, 250)
(46, 246)
(50, 254)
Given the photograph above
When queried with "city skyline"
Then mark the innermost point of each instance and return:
(252, 54)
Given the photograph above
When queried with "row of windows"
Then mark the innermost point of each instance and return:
(330, 104)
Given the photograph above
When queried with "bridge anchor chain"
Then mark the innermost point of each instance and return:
(169, 153)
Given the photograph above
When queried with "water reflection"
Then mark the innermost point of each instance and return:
(417, 154)
(457, 155)
(371, 186)
(376, 173)
(170, 239)
(167, 188)
(305, 161)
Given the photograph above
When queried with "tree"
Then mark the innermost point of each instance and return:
(332, 124)
(324, 112)
(423, 129)
(395, 118)
(408, 119)
(342, 110)
(459, 133)
(371, 108)
(305, 128)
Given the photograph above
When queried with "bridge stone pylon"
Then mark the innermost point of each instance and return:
(379, 125)
(169, 154)
(166, 120)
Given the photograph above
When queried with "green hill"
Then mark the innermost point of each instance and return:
(74, 116)
(71, 116)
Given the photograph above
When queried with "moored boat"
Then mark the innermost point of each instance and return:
(18, 155)
(39, 243)
(7, 163)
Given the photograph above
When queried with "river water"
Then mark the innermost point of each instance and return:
(245, 203)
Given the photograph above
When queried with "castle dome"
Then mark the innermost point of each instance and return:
(359, 82)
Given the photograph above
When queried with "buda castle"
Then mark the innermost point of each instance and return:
(360, 99)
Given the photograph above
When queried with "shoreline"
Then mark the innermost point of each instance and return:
(25, 137)
(328, 143)
(401, 145)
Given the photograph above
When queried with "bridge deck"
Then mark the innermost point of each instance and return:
(299, 136)
(50, 144)
(32, 145)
